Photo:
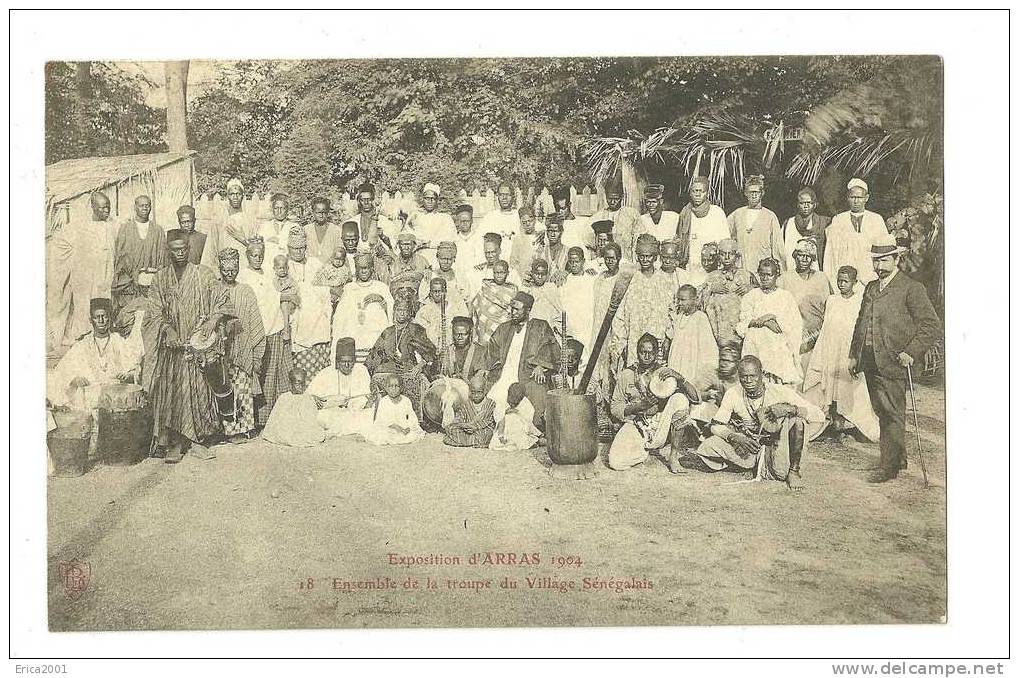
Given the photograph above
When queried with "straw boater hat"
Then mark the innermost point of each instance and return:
(884, 246)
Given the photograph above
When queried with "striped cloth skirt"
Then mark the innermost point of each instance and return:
(276, 365)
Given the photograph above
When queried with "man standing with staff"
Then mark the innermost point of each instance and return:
(896, 326)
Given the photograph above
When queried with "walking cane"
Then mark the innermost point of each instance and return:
(916, 426)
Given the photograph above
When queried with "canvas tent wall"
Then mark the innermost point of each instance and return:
(167, 178)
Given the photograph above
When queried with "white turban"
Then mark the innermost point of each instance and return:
(434, 188)
(234, 182)
(857, 183)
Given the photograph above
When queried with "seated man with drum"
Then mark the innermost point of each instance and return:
(760, 425)
(456, 365)
(98, 359)
(654, 403)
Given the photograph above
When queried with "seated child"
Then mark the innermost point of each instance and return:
(516, 431)
(293, 421)
(474, 419)
(394, 421)
(289, 295)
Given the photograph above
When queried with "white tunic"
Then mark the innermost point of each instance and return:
(310, 322)
(779, 353)
(664, 230)
(389, 412)
(362, 322)
(845, 247)
(711, 228)
(268, 298)
(352, 391)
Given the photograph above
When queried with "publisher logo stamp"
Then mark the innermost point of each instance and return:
(76, 575)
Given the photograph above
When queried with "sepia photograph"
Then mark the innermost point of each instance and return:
(487, 342)
(504, 338)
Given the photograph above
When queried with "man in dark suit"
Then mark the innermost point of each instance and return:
(896, 326)
(524, 350)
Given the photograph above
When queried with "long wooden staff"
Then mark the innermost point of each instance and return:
(618, 292)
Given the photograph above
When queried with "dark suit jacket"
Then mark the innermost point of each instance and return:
(540, 348)
(903, 320)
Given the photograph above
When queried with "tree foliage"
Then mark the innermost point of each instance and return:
(96, 108)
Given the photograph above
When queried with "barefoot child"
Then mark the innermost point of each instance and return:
(394, 421)
(289, 296)
(516, 431)
(473, 420)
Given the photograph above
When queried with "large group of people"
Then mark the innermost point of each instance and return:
(710, 341)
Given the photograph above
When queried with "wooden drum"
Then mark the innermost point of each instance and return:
(125, 425)
(571, 427)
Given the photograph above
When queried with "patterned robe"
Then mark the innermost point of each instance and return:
(182, 400)
(479, 417)
(490, 309)
(645, 308)
(720, 296)
(245, 350)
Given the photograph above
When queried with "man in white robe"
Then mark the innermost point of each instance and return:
(659, 222)
(365, 308)
(470, 244)
(310, 321)
(503, 220)
(707, 224)
(342, 394)
(81, 269)
(577, 295)
(851, 234)
(233, 230)
(431, 226)
(771, 325)
(275, 231)
(98, 359)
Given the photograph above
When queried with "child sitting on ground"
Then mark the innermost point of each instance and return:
(290, 297)
(394, 421)
(474, 419)
(516, 431)
(293, 421)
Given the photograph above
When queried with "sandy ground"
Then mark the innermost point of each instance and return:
(232, 542)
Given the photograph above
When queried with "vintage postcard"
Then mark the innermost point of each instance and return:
(489, 342)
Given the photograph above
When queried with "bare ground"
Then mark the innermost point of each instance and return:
(225, 543)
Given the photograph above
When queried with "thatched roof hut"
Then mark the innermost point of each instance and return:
(167, 178)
